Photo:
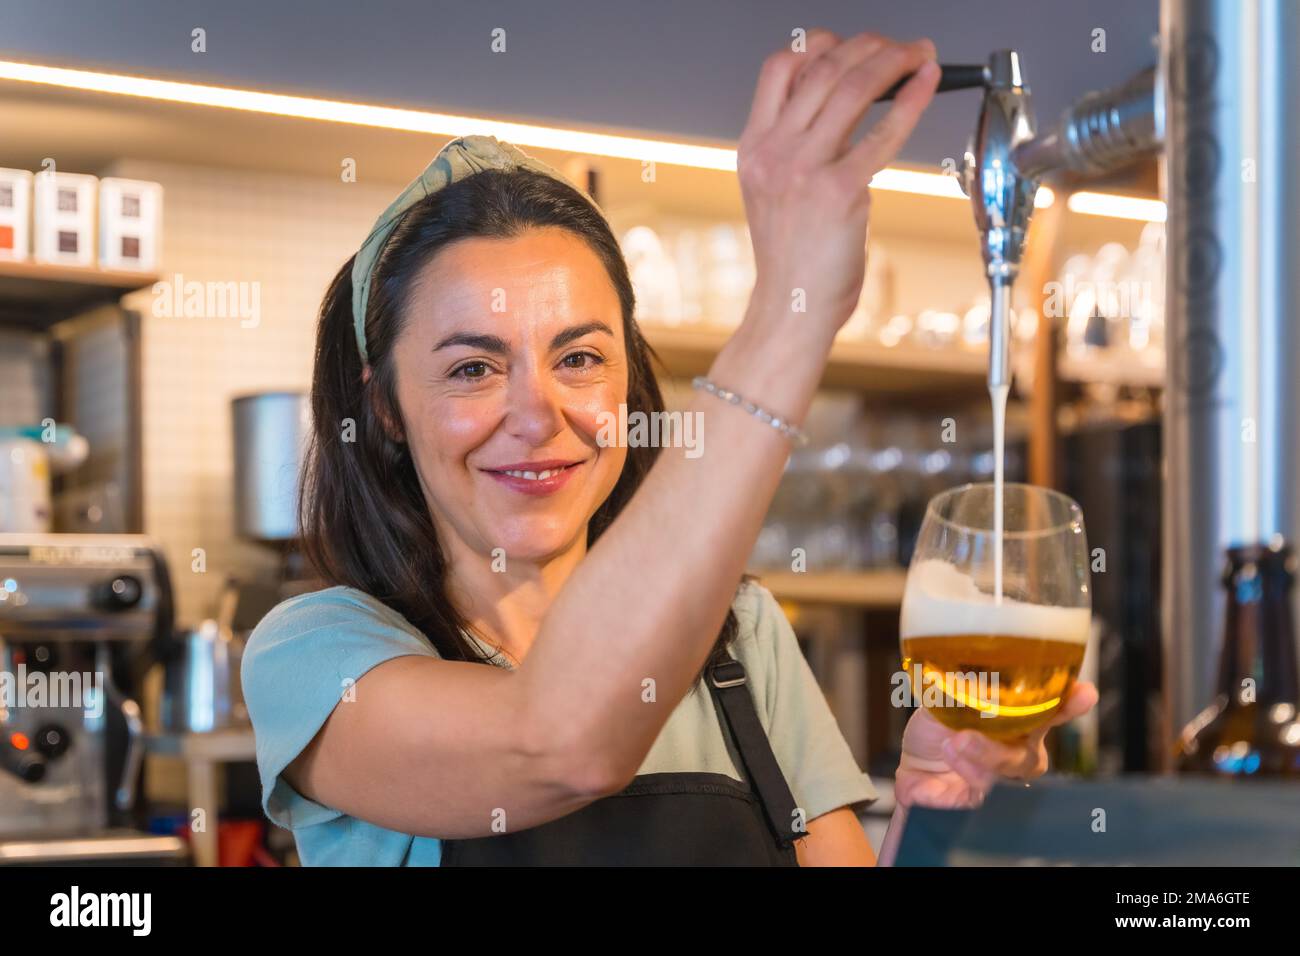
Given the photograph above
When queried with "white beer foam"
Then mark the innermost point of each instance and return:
(939, 599)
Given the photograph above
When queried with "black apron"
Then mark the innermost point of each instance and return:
(668, 819)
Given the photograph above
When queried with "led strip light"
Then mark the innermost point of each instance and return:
(720, 158)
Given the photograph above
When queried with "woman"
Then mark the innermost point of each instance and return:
(636, 706)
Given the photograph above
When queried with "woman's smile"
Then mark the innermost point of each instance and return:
(537, 478)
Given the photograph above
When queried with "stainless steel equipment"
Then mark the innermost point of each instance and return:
(270, 429)
(1002, 198)
(1222, 97)
(201, 689)
(80, 616)
(1007, 159)
(1232, 410)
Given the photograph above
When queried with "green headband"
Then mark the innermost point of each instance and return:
(460, 158)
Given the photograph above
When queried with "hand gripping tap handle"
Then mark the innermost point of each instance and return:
(951, 77)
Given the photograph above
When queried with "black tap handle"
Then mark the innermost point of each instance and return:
(951, 77)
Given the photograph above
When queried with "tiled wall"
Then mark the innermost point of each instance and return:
(288, 234)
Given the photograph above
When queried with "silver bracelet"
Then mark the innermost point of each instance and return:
(785, 428)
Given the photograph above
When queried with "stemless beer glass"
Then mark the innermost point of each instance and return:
(1003, 665)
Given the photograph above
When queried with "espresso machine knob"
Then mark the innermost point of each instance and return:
(51, 741)
(119, 593)
(24, 763)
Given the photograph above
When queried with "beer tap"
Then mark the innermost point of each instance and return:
(1006, 160)
(1001, 196)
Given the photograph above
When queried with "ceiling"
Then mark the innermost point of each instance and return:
(673, 67)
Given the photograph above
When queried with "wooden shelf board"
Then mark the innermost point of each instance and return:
(229, 743)
(862, 366)
(37, 293)
(1111, 371)
(880, 589)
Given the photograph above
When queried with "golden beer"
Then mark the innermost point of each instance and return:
(975, 663)
(1017, 683)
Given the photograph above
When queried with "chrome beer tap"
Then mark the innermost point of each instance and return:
(1001, 196)
(1006, 160)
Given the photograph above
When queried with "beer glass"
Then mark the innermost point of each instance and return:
(999, 664)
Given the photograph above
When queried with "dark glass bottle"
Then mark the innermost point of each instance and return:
(1253, 728)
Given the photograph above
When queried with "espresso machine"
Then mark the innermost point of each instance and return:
(81, 619)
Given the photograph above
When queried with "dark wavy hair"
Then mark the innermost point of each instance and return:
(365, 522)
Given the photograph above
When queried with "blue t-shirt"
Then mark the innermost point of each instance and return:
(308, 651)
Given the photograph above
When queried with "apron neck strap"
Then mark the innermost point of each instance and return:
(727, 682)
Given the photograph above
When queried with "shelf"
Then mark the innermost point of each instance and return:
(862, 366)
(227, 744)
(880, 590)
(37, 294)
(1107, 370)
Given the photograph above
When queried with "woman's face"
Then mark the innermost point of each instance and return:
(511, 356)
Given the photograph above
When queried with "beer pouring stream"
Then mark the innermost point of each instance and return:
(999, 389)
(1003, 201)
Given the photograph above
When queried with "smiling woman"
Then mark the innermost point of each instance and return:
(499, 328)
(500, 342)
(649, 703)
